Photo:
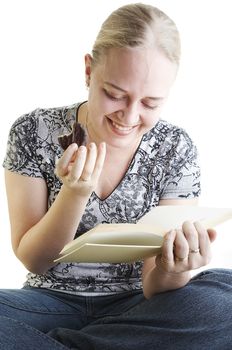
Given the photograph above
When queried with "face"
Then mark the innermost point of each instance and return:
(127, 90)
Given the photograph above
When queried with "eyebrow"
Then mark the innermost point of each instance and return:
(120, 89)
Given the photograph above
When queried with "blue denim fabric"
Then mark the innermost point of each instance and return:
(45, 310)
(196, 317)
(15, 335)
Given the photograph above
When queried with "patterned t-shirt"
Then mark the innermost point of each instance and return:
(165, 165)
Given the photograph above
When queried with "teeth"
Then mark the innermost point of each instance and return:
(122, 128)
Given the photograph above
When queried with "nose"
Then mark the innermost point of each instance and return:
(130, 114)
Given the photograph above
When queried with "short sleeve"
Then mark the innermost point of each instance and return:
(21, 151)
(182, 179)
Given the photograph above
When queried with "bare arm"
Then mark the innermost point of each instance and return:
(165, 272)
(39, 234)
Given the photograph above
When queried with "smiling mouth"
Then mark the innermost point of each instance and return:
(120, 127)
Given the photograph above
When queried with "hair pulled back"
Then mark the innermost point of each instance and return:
(138, 26)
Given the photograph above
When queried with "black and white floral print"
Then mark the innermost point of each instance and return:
(165, 165)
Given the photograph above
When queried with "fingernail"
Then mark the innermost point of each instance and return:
(82, 148)
(73, 147)
(92, 145)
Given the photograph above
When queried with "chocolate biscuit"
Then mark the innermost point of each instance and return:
(78, 135)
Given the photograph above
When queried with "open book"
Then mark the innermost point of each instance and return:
(114, 243)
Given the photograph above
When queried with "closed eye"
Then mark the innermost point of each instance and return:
(113, 98)
(121, 98)
(150, 107)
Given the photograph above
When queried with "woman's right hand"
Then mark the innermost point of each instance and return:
(39, 234)
(79, 169)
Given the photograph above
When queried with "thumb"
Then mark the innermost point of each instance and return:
(212, 234)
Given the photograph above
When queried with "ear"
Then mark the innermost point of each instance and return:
(88, 64)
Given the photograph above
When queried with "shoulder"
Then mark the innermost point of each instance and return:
(32, 145)
(168, 138)
(165, 130)
(41, 119)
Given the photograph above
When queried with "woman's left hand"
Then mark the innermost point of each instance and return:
(186, 249)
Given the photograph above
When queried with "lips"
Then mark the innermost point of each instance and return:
(119, 128)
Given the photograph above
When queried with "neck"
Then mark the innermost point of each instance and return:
(82, 113)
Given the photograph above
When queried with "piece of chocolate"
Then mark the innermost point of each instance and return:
(78, 135)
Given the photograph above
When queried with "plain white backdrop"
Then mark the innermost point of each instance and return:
(43, 43)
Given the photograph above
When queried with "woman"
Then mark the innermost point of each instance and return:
(133, 161)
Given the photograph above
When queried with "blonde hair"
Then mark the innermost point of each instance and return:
(138, 25)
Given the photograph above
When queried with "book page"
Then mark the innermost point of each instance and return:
(115, 243)
(170, 217)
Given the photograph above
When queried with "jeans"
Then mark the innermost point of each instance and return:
(196, 317)
(45, 309)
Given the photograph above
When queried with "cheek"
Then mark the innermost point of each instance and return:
(150, 119)
(111, 107)
(100, 104)
(98, 107)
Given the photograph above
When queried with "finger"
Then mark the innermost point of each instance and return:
(78, 165)
(63, 163)
(203, 237)
(212, 234)
(191, 235)
(90, 162)
(167, 247)
(181, 246)
(99, 161)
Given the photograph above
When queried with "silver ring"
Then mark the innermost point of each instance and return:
(194, 250)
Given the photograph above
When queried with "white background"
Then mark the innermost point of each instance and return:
(43, 43)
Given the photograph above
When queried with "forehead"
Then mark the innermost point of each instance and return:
(147, 69)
